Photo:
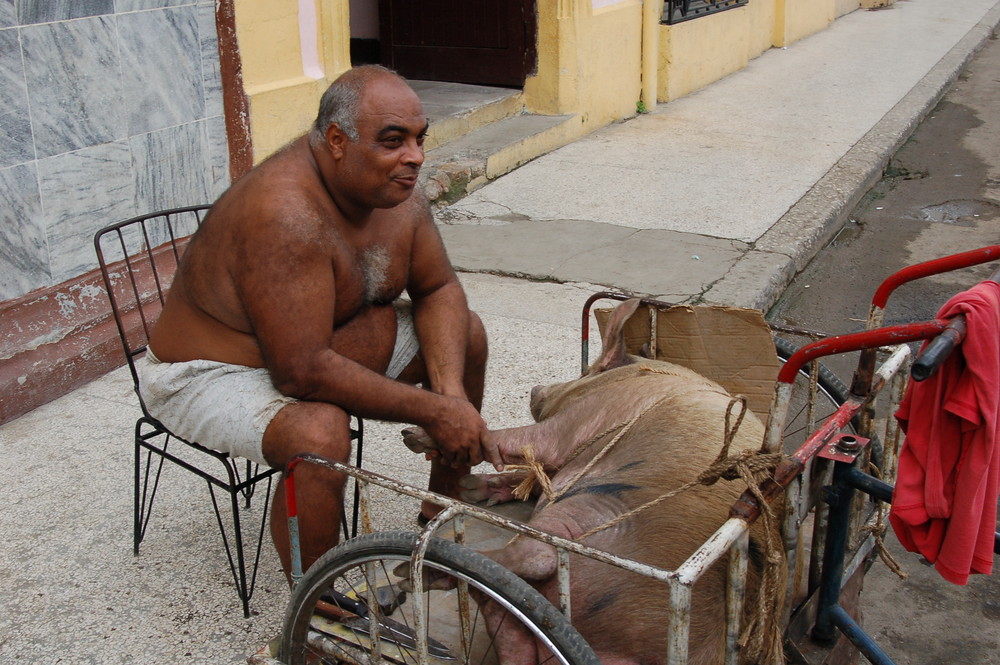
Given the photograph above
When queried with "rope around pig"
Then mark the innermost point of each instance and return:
(747, 465)
(762, 636)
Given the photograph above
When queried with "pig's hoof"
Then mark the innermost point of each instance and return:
(417, 440)
(493, 488)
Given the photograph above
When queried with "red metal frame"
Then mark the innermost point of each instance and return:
(933, 267)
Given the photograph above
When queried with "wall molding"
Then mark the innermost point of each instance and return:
(55, 340)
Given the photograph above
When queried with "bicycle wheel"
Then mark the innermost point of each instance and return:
(327, 619)
(831, 392)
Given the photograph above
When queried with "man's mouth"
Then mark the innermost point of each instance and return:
(406, 180)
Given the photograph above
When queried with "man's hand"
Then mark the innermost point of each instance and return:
(459, 434)
(459, 437)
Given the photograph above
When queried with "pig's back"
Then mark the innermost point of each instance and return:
(677, 433)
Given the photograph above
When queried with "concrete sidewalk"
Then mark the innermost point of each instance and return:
(723, 195)
(720, 196)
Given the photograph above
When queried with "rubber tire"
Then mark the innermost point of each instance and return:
(829, 381)
(835, 389)
(540, 616)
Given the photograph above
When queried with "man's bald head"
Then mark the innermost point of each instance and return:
(341, 102)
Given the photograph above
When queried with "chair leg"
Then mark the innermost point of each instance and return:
(144, 487)
(360, 436)
(137, 504)
(238, 568)
(146, 482)
(248, 492)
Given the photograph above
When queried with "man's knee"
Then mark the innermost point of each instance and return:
(368, 337)
(307, 427)
(478, 345)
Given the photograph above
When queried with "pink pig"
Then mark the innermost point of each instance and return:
(621, 615)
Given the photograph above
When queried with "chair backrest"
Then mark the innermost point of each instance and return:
(138, 258)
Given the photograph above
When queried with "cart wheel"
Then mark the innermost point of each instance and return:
(831, 393)
(325, 624)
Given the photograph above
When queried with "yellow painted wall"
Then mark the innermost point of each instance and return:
(843, 7)
(552, 87)
(610, 55)
(760, 26)
(796, 19)
(589, 61)
(697, 52)
(283, 97)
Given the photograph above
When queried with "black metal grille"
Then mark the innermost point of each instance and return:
(677, 11)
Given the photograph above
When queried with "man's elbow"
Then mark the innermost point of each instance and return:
(298, 383)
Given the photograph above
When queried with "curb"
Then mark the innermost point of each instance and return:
(759, 278)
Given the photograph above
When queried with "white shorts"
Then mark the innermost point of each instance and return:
(227, 407)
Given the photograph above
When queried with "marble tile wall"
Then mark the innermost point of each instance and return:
(111, 108)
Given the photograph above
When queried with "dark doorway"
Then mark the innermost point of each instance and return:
(487, 42)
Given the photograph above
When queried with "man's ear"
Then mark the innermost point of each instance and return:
(336, 139)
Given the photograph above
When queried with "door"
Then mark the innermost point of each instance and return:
(489, 42)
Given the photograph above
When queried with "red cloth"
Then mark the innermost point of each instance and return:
(945, 502)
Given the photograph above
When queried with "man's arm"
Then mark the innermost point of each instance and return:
(441, 319)
(440, 313)
(289, 293)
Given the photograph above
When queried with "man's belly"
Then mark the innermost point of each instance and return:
(181, 334)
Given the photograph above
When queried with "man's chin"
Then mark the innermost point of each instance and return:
(396, 194)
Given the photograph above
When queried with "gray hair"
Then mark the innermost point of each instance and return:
(340, 103)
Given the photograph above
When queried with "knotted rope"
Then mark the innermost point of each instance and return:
(878, 528)
(536, 473)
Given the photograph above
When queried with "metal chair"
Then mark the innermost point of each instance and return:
(138, 258)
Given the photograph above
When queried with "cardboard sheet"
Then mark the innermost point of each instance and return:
(730, 345)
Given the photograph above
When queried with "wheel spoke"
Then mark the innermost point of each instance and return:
(516, 605)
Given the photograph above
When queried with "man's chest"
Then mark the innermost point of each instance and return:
(372, 273)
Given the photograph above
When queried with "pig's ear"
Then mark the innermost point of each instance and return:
(614, 354)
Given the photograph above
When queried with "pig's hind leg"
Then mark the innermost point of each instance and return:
(493, 488)
(515, 644)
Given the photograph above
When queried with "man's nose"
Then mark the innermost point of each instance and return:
(414, 155)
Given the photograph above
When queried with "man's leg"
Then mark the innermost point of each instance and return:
(308, 427)
(323, 429)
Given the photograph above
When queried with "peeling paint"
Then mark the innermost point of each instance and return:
(67, 306)
(91, 292)
(50, 337)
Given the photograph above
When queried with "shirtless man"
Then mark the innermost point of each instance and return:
(281, 318)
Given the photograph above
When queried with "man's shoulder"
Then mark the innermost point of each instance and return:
(277, 194)
(285, 175)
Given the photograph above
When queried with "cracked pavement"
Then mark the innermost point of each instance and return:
(724, 195)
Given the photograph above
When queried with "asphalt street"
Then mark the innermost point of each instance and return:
(940, 195)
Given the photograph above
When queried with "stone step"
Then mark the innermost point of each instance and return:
(464, 164)
(455, 109)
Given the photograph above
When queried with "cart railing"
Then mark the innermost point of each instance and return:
(732, 537)
(796, 479)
